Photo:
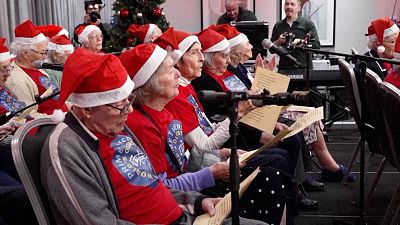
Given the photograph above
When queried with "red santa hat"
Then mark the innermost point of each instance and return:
(60, 43)
(26, 33)
(397, 49)
(211, 41)
(168, 41)
(91, 80)
(381, 28)
(233, 36)
(142, 61)
(52, 30)
(142, 32)
(83, 32)
(185, 41)
(4, 52)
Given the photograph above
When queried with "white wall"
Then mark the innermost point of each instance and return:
(352, 18)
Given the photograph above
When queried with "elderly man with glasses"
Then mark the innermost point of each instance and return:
(25, 81)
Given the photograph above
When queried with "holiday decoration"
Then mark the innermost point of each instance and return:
(124, 13)
(157, 12)
(129, 12)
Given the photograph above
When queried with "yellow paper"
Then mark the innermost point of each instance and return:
(248, 155)
(312, 116)
(223, 207)
(307, 119)
(264, 118)
(298, 108)
(272, 81)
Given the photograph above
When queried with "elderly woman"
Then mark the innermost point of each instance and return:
(60, 48)
(93, 168)
(382, 35)
(15, 207)
(90, 38)
(27, 82)
(201, 136)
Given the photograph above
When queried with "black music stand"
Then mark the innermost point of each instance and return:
(256, 32)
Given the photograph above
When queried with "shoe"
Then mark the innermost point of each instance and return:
(329, 176)
(307, 204)
(303, 202)
(312, 185)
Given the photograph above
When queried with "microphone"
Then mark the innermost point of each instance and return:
(266, 43)
(51, 66)
(221, 97)
(257, 100)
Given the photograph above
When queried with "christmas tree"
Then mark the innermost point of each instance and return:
(129, 12)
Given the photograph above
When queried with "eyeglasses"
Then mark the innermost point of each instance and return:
(96, 36)
(42, 53)
(7, 69)
(125, 108)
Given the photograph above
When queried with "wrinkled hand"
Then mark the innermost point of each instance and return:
(220, 171)
(208, 205)
(226, 152)
(265, 137)
(244, 107)
(280, 127)
(264, 63)
(5, 129)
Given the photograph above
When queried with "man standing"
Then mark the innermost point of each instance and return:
(235, 13)
(300, 27)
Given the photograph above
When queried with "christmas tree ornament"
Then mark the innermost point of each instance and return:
(124, 13)
(157, 11)
(139, 15)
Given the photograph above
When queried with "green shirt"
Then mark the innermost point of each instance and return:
(55, 76)
(299, 28)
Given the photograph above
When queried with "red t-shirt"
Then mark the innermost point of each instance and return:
(43, 83)
(142, 197)
(229, 81)
(393, 78)
(153, 138)
(187, 108)
(9, 103)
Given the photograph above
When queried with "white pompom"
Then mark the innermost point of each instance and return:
(58, 116)
(380, 49)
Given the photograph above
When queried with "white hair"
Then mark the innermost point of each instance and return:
(17, 47)
(208, 56)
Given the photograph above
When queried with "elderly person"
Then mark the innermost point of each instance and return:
(60, 48)
(90, 38)
(93, 168)
(382, 35)
(15, 207)
(235, 13)
(153, 125)
(27, 82)
(204, 138)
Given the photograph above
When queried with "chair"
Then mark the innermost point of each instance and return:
(391, 112)
(355, 97)
(26, 147)
(373, 99)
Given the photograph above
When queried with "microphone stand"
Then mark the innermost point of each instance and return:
(363, 59)
(6, 117)
(234, 172)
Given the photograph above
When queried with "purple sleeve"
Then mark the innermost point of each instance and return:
(192, 181)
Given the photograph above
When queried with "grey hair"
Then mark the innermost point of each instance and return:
(146, 92)
(17, 48)
(208, 56)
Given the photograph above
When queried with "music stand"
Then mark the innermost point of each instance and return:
(256, 32)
